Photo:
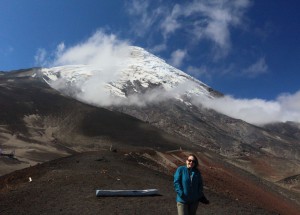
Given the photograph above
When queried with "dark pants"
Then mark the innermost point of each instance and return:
(187, 209)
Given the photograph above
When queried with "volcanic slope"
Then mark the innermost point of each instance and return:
(40, 124)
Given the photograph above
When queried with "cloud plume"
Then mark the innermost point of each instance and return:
(104, 54)
(257, 111)
(100, 50)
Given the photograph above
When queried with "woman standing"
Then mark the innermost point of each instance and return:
(189, 187)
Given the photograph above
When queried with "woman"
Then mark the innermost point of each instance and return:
(189, 187)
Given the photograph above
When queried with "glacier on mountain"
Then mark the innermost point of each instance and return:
(140, 78)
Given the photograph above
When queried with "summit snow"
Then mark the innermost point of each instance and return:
(138, 79)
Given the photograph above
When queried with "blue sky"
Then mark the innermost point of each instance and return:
(245, 48)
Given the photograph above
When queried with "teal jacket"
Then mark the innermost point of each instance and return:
(188, 185)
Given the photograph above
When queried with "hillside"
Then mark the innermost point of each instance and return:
(39, 124)
(70, 148)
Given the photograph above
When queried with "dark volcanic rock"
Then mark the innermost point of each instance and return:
(290, 129)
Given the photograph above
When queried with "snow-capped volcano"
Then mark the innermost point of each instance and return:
(137, 79)
(144, 86)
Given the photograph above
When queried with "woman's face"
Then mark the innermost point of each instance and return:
(190, 162)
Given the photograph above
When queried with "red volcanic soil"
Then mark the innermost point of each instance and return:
(68, 186)
(246, 188)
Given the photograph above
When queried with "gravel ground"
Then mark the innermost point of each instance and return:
(68, 185)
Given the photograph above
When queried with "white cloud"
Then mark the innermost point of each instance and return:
(101, 52)
(203, 19)
(60, 49)
(290, 103)
(40, 57)
(146, 16)
(257, 111)
(256, 69)
(177, 57)
(215, 20)
(137, 7)
(170, 23)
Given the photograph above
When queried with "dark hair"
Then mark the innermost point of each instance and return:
(196, 160)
